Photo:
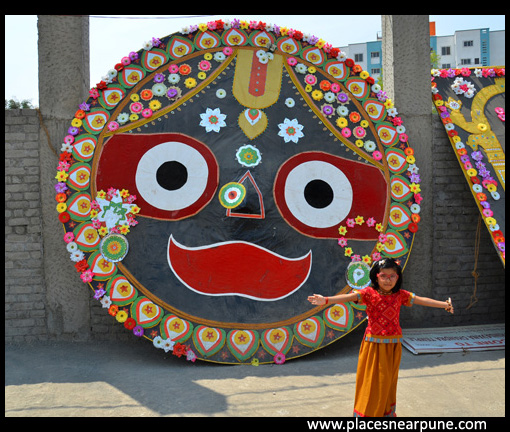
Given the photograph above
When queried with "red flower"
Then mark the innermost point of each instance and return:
(65, 156)
(81, 266)
(180, 349)
(130, 323)
(64, 217)
(297, 35)
(219, 25)
(349, 62)
(101, 85)
(370, 80)
(119, 67)
(333, 52)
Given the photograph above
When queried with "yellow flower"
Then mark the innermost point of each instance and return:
(154, 105)
(124, 229)
(135, 97)
(61, 176)
(364, 75)
(364, 124)
(208, 56)
(124, 193)
(284, 31)
(342, 230)
(135, 209)
(367, 259)
(202, 27)
(360, 143)
(317, 95)
(93, 213)
(379, 227)
(255, 362)
(121, 316)
(76, 122)
(410, 159)
(133, 117)
(101, 194)
(415, 188)
(341, 122)
(359, 220)
(379, 247)
(61, 207)
(202, 75)
(348, 251)
(102, 231)
(308, 88)
(320, 43)
(388, 103)
(246, 24)
(190, 82)
(312, 69)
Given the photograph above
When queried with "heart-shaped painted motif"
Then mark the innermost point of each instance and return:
(175, 328)
(387, 133)
(101, 268)
(243, 343)
(395, 244)
(339, 316)
(252, 122)
(310, 332)
(146, 313)
(400, 216)
(208, 340)
(278, 340)
(120, 291)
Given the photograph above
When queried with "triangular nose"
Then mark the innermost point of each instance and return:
(253, 205)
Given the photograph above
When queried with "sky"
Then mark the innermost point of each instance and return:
(114, 36)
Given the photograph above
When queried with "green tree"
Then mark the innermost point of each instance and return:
(14, 103)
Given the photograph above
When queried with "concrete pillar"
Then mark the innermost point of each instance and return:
(406, 79)
(63, 50)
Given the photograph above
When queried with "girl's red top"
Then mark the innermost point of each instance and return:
(383, 313)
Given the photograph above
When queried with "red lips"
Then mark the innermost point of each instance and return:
(238, 268)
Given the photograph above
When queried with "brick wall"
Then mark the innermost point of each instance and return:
(454, 222)
(25, 313)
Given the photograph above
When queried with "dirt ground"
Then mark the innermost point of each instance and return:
(114, 379)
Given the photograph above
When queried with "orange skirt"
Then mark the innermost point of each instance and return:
(376, 379)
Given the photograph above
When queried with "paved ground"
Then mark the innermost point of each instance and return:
(134, 379)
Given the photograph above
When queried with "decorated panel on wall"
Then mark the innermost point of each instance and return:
(471, 104)
(216, 178)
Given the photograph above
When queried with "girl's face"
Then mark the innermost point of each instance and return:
(387, 279)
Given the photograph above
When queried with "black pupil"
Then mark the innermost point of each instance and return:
(318, 194)
(172, 175)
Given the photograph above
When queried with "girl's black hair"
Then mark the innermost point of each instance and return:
(385, 263)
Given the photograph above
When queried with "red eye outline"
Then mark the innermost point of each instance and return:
(118, 163)
(369, 192)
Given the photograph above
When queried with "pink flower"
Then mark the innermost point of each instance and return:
(291, 61)
(377, 155)
(342, 241)
(382, 238)
(68, 237)
(418, 198)
(370, 222)
(376, 256)
(279, 358)
(87, 276)
(350, 223)
(227, 51)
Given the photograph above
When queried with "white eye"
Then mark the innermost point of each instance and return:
(318, 194)
(172, 176)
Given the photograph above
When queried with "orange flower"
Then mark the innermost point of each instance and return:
(325, 85)
(184, 69)
(354, 117)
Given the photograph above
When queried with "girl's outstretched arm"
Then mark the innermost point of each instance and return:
(319, 300)
(425, 301)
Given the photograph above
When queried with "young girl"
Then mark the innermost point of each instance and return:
(381, 351)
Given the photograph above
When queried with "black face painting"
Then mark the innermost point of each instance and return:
(221, 176)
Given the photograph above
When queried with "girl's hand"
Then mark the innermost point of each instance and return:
(449, 306)
(317, 299)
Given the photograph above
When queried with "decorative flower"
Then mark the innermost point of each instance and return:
(248, 156)
(221, 93)
(279, 358)
(113, 310)
(342, 241)
(290, 130)
(190, 82)
(290, 102)
(61, 176)
(158, 342)
(168, 345)
(138, 331)
(121, 316)
(342, 230)
(359, 220)
(191, 356)
(77, 256)
(87, 276)
(130, 323)
(348, 251)
(213, 120)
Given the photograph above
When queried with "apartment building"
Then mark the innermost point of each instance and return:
(465, 48)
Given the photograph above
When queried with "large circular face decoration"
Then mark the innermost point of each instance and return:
(247, 166)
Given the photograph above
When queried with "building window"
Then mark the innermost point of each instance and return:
(375, 71)
(446, 66)
(465, 61)
(477, 60)
(374, 54)
(445, 50)
(468, 43)
(358, 58)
